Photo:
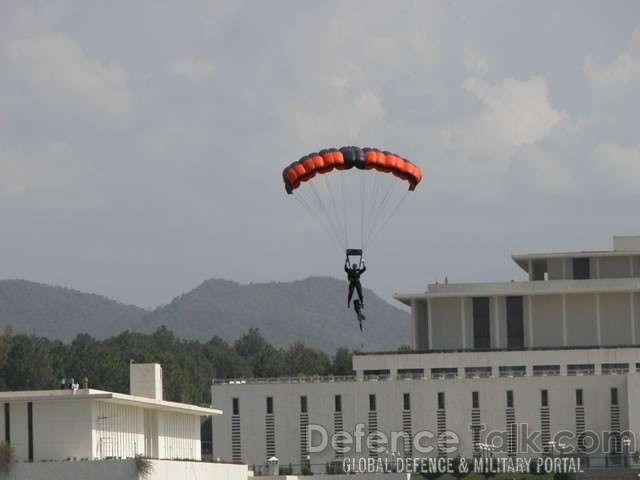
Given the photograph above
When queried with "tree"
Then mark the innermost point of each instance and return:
(28, 364)
(263, 358)
(301, 360)
(342, 362)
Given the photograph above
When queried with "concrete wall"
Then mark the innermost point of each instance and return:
(447, 334)
(179, 436)
(615, 318)
(145, 380)
(118, 430)
(495, 359)
(126, 470)
(558, 269)
(614, 267)
(582, 328)
(61, 430)
(549, 320)
(424, 413)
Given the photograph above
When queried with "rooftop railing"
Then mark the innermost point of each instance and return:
(496, 373)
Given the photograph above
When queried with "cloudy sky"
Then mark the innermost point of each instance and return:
(142, 142)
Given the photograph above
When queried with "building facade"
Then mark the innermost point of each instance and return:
(536, 368)
(89, 424)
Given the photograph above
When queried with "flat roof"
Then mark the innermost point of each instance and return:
(68, 395)
(527, 288)
(522, 259)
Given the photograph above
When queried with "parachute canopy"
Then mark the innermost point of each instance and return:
(351, 188)
(347, 158)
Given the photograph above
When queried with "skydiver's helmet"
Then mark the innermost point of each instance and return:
(354, 266)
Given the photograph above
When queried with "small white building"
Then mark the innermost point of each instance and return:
(88, 433)
(90, 424)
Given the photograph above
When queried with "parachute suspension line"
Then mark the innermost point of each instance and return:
(315, 214)
(388, 202)
(333, 220)
(374, 200)
(376, 204)
(345, 206)
(337, 214)
(363, 188)
(397, 207)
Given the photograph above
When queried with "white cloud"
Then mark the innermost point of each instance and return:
(543, 170)
(61, 74)
(41, 178)
(515, 113)
(196, 69)
(618, 163)
(621, 74)
(473, 61)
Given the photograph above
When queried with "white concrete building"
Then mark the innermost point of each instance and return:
(61, 433)
(533, 368)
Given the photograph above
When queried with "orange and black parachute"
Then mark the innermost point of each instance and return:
(346, 158)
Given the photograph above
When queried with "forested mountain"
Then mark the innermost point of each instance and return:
(312, 311)
(61, 313)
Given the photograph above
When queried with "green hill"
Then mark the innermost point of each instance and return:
(61, 313)
(312, 311)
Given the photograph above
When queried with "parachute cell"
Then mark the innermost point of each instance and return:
(347, 158)
(324, 183)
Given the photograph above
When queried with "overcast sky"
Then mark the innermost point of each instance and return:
(142, 142)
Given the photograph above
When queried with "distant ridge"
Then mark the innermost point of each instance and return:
(312, 311)
(61, 313)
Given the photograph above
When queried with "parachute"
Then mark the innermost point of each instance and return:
(351, 190)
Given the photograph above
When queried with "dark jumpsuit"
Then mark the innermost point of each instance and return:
(353, 275)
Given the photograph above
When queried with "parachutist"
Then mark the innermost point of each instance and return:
(353, 275)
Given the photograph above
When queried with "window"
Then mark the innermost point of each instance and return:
(481, 323)
(376, 374)
(509, 398)
(444, 373)
(581, 369)
(515, 322)
(513, 371)
(441, 400)
(269, 405)
(404, 373)
(475, 400)
(614, 396)
(477, 372)
(544, 398)
(372, 403)
(579, 397)
(614, 368)
(406, 401)
(581, 268)
(236, 406)
(338, 403)
(303, 404)
(541, 370)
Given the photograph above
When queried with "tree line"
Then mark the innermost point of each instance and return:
(29, 362)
